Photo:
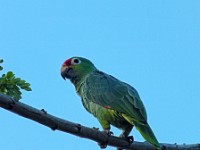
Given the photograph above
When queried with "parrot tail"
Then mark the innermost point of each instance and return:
(148, 134)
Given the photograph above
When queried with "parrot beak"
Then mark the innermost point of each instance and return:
(63, 70)
(66, 72)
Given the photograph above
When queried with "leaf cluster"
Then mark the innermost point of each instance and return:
(11, 85)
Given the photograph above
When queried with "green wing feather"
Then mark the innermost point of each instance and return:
(109, 92)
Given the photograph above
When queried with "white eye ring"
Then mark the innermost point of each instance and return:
(75, 61)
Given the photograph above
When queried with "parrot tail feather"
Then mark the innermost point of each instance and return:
(148, 134)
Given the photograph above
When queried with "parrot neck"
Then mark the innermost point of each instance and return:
(79, 79)
(78, 84)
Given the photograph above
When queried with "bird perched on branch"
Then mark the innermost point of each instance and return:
(110, 100)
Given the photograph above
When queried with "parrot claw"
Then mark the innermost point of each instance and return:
(130, 139)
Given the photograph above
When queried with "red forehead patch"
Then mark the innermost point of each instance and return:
(67, 62)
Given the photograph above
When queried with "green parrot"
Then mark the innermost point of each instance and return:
(110, 100)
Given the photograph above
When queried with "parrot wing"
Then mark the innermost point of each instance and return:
(109, 92)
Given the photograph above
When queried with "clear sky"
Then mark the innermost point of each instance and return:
(152, 45)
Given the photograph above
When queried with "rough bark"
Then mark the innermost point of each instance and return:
(55, 123)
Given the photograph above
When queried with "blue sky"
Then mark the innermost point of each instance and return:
(152, 45)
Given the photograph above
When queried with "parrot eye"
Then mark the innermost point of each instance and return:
(75, 61)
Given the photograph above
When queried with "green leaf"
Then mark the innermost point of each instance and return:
(28, 89)
(25, 86)
(17, 80)
(21, 82)
(10, 74)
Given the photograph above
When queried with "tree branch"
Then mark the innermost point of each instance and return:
(55, 123)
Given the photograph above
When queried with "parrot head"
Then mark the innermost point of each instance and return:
(76, 68)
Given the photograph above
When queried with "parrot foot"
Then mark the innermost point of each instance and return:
(129, 139)
(109, 133)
